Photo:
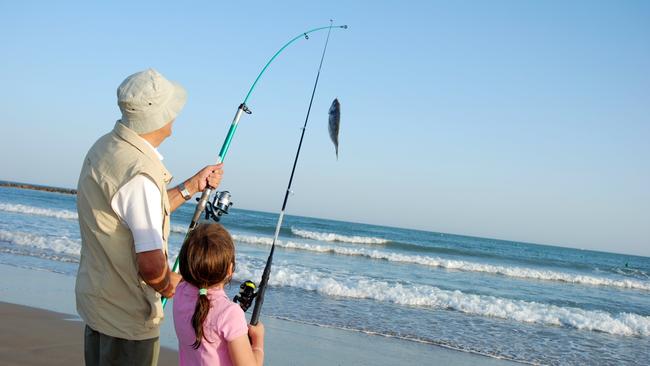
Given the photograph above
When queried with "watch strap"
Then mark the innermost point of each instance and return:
(184, 192)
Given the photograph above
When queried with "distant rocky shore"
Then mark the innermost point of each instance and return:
(37, 187)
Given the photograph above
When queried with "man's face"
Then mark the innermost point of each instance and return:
(167, 129)
(156, 137)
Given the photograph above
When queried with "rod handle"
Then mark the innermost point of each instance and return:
(259, 301)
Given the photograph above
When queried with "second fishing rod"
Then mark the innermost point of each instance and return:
(221, 201)
(259, 297)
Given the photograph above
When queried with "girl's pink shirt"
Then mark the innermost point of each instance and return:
(225, 322)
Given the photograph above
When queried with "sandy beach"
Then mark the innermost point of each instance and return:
(30, 336)
(40, 327)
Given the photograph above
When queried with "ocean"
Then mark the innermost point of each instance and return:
(525, 302)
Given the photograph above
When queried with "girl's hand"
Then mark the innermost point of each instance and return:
(243, 353)
(256, 335)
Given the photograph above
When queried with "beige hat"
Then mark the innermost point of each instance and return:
(148, 101)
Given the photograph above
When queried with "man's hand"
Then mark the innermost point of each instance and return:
(210, 175)
(174, 280)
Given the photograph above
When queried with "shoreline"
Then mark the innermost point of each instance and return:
(51, 295)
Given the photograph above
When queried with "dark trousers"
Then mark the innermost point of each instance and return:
(103, 350)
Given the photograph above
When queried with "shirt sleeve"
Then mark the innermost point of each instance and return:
(232, 323)
(137, 203)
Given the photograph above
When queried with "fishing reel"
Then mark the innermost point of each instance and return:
(246, 295)
(219, 206)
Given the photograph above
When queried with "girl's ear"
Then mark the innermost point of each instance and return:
(231, 268)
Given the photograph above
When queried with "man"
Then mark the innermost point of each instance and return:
(124, 206)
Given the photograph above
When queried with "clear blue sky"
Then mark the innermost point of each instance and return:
(517, 120)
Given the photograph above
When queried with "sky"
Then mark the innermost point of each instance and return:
(517, 120)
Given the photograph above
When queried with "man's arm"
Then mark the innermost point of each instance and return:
(210, 175)
(153, 268)
(137, 204)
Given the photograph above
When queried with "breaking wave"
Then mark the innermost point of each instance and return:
(459, 265)
(68, 246)
(58, 244)
(61, 214)
(337, 237)
(178, 229)
(624, 324)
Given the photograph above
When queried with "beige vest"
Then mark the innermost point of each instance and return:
(111, 296)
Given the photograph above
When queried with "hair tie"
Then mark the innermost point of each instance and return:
(203, 291)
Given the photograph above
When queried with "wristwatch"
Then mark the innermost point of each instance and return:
(184, 192)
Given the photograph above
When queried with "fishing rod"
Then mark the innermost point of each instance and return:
(259, 301)
(221, 201)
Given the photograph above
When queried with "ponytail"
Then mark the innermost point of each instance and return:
(200, 313)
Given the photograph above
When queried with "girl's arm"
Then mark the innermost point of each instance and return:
(248, 353)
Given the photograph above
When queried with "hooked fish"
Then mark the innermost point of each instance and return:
(334, 121)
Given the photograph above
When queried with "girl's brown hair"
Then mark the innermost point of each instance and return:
(204, 260)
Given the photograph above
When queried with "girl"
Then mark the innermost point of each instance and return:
(211, 329)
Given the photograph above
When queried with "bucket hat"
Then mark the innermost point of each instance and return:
(149, 101)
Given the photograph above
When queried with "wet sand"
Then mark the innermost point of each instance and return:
(30, 336)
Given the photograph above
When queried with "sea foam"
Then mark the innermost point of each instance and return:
(459, 265)
(17, 208)
(178, 229)
(58, 244)
(624, 324)
(337, 237)
(68, 246)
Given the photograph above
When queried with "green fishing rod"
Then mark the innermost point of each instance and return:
(243, 108)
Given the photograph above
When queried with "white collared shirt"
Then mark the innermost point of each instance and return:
(137, 204)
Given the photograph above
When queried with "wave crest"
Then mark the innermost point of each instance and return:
(59, 244)
(337, 237)
(624, 324)
(17, 208)
(178, 229)
(458, 265)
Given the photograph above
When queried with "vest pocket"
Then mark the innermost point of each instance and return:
(156, 313)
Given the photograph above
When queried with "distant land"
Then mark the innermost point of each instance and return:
(37, 187)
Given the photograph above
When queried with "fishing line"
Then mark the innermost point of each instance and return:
(259, 301)
(221, 201)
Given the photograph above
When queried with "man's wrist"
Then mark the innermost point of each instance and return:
(163, 284)
(185, 192)
(166, 291)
